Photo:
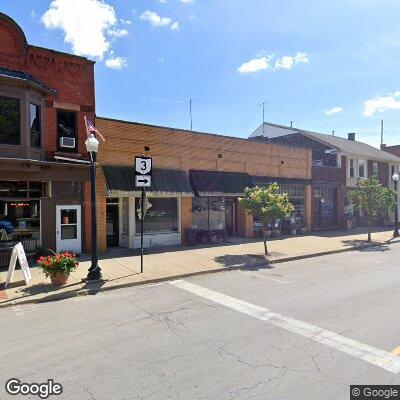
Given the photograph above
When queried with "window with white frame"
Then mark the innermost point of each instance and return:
(351, 167)
(361, 168)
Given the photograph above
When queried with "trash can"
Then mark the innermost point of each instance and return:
(190, 236)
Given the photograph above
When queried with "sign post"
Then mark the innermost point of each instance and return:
(143, 169)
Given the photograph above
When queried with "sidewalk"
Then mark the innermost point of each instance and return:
(121, 267)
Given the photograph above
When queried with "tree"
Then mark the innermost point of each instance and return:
(266, 204)
(372, 199)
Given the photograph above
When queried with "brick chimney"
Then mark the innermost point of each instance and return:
(351, 136)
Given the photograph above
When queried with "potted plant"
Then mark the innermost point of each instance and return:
(58, 267)
(303, 229)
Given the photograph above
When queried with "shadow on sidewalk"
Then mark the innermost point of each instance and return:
(244, 261)
(364, 246)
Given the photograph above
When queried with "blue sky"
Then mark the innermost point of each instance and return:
(308, 59)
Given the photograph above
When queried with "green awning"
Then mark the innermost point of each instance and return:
(218, 183)
(120, 181)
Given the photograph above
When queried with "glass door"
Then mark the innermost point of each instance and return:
(69, 228)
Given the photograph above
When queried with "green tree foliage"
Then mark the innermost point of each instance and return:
(266, 204)
(372, 199)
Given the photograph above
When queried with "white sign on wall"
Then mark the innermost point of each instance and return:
(18, 252)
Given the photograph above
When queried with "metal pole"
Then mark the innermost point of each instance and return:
(191, 121)
(94, 270)
(141, 231)
(396, 215)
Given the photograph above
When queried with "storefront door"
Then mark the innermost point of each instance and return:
(230, 218)
(69, 228)
(112, 225)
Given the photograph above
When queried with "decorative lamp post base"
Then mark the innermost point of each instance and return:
(94, 274)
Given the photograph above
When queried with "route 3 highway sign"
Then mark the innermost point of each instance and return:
(143, 165)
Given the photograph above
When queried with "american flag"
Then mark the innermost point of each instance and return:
(92, 129)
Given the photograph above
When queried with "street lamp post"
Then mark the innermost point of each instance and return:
(396, 233)
(92, 146)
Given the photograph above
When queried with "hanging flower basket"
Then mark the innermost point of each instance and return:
(58, 267)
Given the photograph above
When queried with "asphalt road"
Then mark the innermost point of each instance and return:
(301, 330)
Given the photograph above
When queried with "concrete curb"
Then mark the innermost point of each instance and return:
(91, 291)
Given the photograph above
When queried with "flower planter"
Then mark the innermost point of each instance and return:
(303, 231)
(59, 279)
(58, 267)
(294, 231)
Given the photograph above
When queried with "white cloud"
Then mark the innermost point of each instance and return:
(154, 19)
(333, 111)
(287, 62)
(187, 1)
(116, 62)
(175, 26)
(262, 62)
(382, 103)
(301, 58)
(125, 21)
(85, 24)
(255, 65)
(116, 33)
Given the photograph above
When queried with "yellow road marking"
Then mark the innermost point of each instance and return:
(396, 351)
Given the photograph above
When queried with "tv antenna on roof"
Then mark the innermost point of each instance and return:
(263, 104)
(190, 111)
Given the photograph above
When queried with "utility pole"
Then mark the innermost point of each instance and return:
(190, 111)
(291, 124)
(333, 133)
(263, 106)
(381, 133)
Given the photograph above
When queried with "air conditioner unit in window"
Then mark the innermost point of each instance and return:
(67, 142)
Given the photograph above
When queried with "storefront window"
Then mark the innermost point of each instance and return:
(216, 207)
(208, 213)
(20, 189)
(200, 213)
(34, 115)
(161, 217)
(9, 121)
(20, 218)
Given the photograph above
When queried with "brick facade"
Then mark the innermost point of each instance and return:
(186, 150)
(70, 80)
(71, 76)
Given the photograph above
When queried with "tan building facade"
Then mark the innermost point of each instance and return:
(197, 179)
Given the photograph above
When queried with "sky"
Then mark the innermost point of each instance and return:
(326, 65)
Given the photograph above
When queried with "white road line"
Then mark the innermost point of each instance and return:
(377, 357)
(266, 277)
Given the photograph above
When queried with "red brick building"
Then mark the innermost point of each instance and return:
(44, 95)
